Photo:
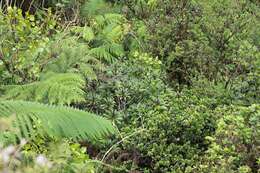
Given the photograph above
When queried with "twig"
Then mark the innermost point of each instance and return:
(109, 150)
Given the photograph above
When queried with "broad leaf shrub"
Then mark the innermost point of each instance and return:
(23, 48)
(175, 124)
(235, 145)
(198, 37)
(174, 127)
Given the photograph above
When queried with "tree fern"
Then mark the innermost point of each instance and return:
(73, 56)
(95, 7)
(105, 46)
(110, 30)
(54, 88)
(109, 18)
(107, 51)
(60, 121)
(103, 36)
(112, 33)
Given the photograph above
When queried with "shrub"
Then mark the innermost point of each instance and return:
(235, 145)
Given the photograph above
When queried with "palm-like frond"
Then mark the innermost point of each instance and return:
(101, 53)
(107, 51)
(104, 37)
(110, 30)
(73, 56)
(60, 89)
(85, 32)
(60, 121)
(109, 18)
(95, 7)
(112, 33)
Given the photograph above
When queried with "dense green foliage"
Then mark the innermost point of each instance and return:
(151, 86)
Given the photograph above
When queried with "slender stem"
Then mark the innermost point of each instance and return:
(122, 140)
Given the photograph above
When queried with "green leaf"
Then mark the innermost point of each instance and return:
(57, 121)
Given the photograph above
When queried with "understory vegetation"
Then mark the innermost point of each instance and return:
(138, 86)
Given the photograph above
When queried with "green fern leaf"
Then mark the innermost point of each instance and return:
(102, 53)
(94, 7)
(113, 33)
(115, 49)
(60, 89)
(88, 34)
(74, 58)
(109, 18)
(85, 32)
(55, 121)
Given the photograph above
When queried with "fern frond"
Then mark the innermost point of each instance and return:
(85, 32)
(95, 7)
(55, 89)
(88, 33)
(114, 18)
(55, 121)
(112, 33)
(74, 57)
(109, 18)
(108, 52)
(102, 53)
(115, 49)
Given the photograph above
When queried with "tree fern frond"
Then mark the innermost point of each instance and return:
(112, 33)
(108, 52)
(88, 71)
(102, 53)
(85, 32)
(109, 18)
(95, 7)
(115, 49)
(56, 89)
(74, 57)
(88, 33)
(57, 121)
(114, 18)
(98, 22)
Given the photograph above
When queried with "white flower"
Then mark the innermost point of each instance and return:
(9, 150)
(6, 153)
(41, 160)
